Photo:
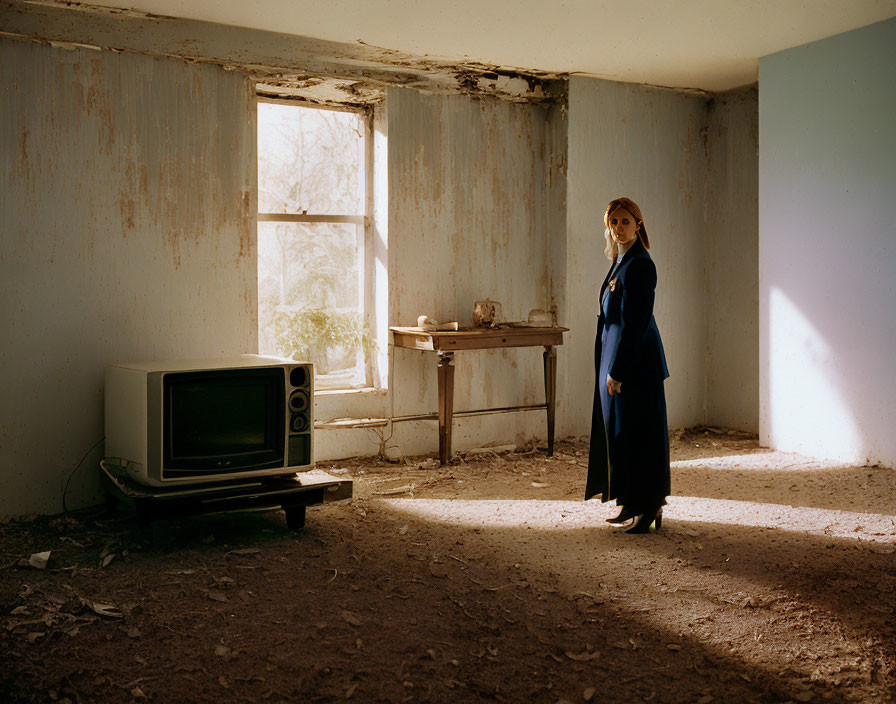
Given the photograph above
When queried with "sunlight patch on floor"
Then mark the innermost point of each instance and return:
(683, 514)
(764, 461)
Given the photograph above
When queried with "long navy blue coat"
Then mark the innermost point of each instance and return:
(629, 455)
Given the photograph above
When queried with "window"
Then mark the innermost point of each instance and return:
(315, 271)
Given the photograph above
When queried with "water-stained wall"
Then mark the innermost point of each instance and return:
(127, 200)
(647, 144)
(472, 214)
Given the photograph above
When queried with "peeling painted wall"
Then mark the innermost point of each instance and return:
(127, 201)
(647, 144)
(732, 261)
(469, 199)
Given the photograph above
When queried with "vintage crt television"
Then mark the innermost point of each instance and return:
(195, 422)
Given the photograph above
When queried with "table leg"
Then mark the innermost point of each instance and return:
(550, 391)
(446, 404)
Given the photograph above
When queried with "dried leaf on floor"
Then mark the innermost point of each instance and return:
(584, 656)
(104, 610)
(351, 618)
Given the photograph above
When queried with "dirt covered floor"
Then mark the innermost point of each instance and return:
(773, 579)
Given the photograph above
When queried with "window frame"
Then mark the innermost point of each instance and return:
(372, 380)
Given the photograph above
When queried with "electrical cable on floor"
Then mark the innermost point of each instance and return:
(391, 382)
(72, 474)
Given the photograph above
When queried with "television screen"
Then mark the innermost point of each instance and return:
(225, 418)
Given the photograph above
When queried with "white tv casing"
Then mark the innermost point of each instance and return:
(134, 416)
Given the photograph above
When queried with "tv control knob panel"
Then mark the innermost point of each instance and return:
(300, 404)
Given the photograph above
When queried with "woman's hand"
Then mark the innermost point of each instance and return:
(613, 386)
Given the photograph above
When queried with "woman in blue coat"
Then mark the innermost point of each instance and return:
(629, 456)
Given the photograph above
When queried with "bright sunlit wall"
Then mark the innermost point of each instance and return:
(827, 246)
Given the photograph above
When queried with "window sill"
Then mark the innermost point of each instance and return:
(366, 402)
(364, 391)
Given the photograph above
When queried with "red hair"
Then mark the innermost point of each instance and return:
(631, 207)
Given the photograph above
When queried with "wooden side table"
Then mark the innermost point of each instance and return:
(445, 344)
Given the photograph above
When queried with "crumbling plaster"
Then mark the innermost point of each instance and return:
(319, 71)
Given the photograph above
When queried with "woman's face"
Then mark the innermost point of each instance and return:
(623, 226)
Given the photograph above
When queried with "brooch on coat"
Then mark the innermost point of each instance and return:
(613, 284)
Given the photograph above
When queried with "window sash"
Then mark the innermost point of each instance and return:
(371, 374)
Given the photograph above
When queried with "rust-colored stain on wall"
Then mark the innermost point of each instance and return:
(247, 225)
(468, 222)
(22, 154)
(125, 234)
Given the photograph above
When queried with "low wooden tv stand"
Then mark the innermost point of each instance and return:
(292, 492)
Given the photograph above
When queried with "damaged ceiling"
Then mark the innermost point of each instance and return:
(470, 79)
(712, 45)
(282, 65)
(335, 53)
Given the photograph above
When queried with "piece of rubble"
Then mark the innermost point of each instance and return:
(39, 560)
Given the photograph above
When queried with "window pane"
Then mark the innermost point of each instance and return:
(310, 297)
(310, 160)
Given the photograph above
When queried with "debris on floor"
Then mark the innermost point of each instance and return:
(772, 580)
